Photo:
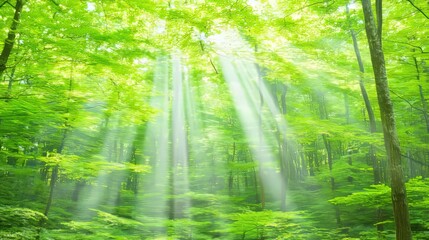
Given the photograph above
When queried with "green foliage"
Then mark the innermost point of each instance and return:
(19, 223)
(19, 217)
(265, 224)
(76, 94)
(103, 226)
(375, 196)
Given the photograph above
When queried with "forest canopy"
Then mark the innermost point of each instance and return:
(214, 119)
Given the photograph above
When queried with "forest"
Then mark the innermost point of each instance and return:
(214, 119)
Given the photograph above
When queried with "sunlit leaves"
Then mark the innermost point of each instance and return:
(82, 80)
(377, 195)
(269, 224)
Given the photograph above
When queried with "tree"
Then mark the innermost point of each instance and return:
(81, 114)
(10, 40)
(391, 141)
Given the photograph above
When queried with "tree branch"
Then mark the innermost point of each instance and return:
(10, 40)
(409, 44)
(409, 103)
(415, 160)
(53, 1)
(379, 12)
(304, 7)
(418, 9)
(1, 5)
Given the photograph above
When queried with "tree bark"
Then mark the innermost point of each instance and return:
(10, 40)
(368, 107)
(391, 141)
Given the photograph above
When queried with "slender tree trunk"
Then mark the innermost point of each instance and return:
(424, 110)
(372, 123)
(347, 108)
(283, 171)
(310, 156)
(231, 176)
(79, 185)
(323, 113)
(55, 170)
(368, 107)
(10, 40)
(316, 156)
(398, 192)
(54, 175)
(364, 93)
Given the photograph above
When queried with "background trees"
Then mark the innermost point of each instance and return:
(206, 119)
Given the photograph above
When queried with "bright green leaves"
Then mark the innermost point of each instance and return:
(119, 228)
(273, 225)
(379, 196)
(417, 192)
(19, 223)
(19, 217)
(375, 196)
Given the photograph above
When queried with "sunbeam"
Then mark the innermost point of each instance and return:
(245, 94)
(154, 200)
(106, 187)
(179, 176)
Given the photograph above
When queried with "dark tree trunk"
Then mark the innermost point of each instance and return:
(372, 123)
(284, 170)
(425, 108)
(399, 196)
(347, 108)
(79, 185)
(310, 157)
(54, 177)
(10, 40)
(323, 113)
(231, 176)
(283, 98)
(55, 170)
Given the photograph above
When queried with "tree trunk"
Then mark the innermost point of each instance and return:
(231, 176)
(283, 171)
(368, 107)
(55, 170)
(79, 185)
(323, 114)
(54, 177)
(372, 123)
(347, 108)
(398, 192)
(10, 40)
(422, 97)
(425, 108)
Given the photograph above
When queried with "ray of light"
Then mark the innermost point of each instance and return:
(154, 202)
(245, 93)
(107, 186)
(180, 166)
